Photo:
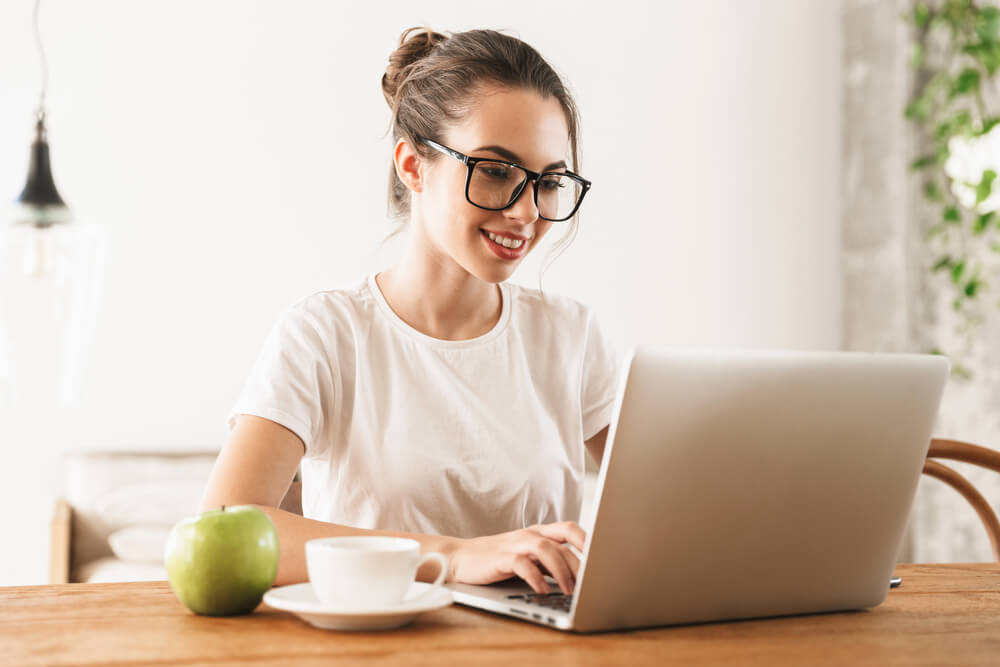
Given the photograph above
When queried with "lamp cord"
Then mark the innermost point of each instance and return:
(40, 110)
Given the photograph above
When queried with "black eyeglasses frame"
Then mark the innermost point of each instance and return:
(534, 176)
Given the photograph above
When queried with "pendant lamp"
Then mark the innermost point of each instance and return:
(49, 271)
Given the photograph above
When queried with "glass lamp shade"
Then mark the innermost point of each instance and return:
(50, 270)
(49, 297)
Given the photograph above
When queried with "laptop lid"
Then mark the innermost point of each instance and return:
(746, 483)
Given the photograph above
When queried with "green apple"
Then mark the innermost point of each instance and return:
(222, 562)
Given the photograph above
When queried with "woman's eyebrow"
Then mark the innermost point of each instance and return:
(513, 157)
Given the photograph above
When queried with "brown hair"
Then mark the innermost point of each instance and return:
(431, 80)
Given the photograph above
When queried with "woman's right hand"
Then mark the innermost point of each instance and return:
(529, 553)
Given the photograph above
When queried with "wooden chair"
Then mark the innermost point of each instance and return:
(967, 453)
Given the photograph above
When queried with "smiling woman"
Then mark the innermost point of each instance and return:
(434, 400)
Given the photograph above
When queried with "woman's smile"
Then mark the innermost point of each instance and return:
(505, 247)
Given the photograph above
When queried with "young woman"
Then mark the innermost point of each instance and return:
(434, 400)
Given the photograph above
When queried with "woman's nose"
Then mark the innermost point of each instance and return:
(523, 209)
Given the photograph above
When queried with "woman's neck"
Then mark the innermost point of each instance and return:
(437, 297)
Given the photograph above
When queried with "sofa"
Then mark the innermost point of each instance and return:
(117, 507)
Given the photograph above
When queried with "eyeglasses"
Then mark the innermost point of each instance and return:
(495, 185)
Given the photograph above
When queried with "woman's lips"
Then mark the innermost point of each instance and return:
(502, 252)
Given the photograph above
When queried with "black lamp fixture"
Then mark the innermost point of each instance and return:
(39, 203)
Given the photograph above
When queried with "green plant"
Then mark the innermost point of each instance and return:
(956, 54)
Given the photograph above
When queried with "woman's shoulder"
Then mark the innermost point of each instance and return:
(333, 307)
(534, 303)
(355, 292)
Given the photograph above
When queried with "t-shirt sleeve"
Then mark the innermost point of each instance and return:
(602, 362)
(291, 382)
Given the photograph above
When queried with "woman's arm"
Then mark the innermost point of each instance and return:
(294, 531)
(256, 466)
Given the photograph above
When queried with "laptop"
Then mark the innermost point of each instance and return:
(742, 483)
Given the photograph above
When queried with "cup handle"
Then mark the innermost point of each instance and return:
(442, 561)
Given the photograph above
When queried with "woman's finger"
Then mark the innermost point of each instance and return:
(554, 560)
(564, 531)
(522, 566)
(571, 560)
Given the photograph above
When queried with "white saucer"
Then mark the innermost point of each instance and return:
(300, 600)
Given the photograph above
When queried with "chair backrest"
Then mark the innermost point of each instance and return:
(968, 453)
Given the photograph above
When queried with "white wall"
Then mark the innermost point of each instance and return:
(234, 153)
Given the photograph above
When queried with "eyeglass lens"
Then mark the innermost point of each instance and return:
(495, 184)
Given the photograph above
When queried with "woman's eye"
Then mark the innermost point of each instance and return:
(495, 172)
(552, 184)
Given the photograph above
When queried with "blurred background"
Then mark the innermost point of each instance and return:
(752, 175)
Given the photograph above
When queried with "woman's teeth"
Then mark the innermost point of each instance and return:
(504, 241)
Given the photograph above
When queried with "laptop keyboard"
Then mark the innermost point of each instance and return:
(557, 601)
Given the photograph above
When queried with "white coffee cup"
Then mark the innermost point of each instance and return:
(367, 571)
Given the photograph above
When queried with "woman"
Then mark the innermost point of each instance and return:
(433, 400)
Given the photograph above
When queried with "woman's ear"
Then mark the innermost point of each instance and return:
(408, 165)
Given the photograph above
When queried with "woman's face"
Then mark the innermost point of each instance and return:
(517, 126)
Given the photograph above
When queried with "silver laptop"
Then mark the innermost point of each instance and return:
(743, 483)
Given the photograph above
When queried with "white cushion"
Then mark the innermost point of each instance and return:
(106, 570)
(150, 503)
(112, 490)
(140, 544)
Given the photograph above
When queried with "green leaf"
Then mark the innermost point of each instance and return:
(953, 12)
(932, 192)
(919, 109)
(951, 214)
(987, 24)
(956, 272)
(941, 263)
(975, 49)
(961, 122)
(982, 223)
(988, 124)
(972, 287)
(921, 14)
(985, 187)
(923, 162)
(940, 82)
(987, 53)
(916, 55)
(966, 82)
(961, 371)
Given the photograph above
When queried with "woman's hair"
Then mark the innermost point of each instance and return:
(432, 80)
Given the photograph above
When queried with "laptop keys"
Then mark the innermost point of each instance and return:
(558, 601)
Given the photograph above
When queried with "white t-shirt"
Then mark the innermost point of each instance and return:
(411, 433)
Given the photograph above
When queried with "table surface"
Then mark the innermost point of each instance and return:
(942, 614)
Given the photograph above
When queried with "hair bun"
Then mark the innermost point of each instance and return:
(414, 44)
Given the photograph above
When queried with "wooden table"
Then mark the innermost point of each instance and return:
(942, 614)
